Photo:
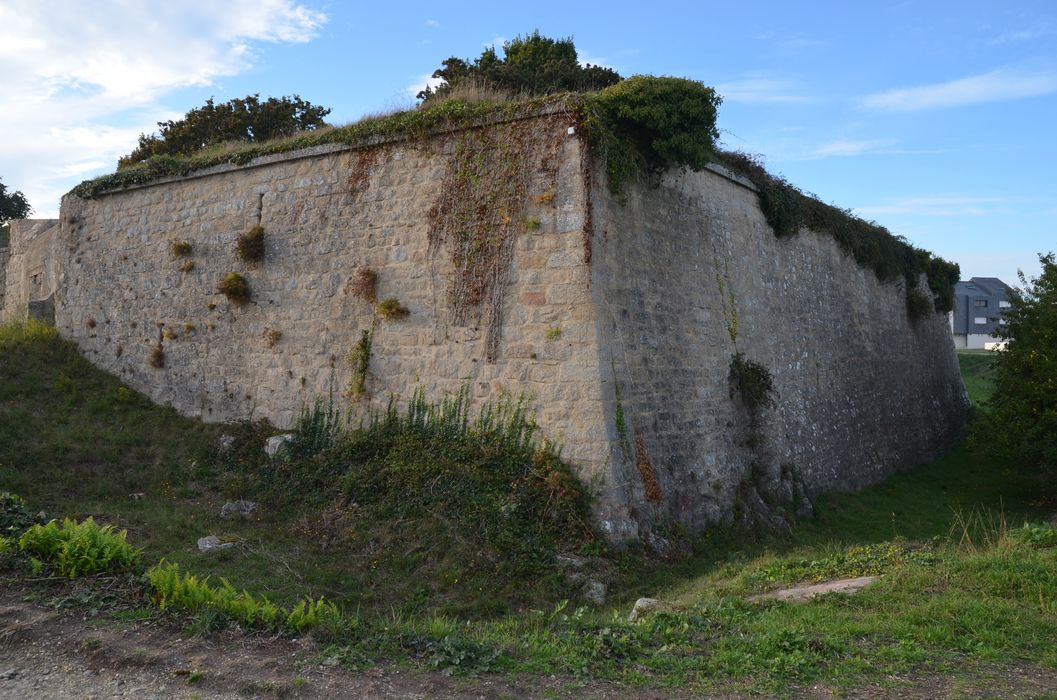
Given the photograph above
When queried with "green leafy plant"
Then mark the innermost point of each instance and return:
(15, 516)
(359, 359)
(918, 305)
(391, 309)
(1039, 535)
(647, 124)
(530, 65)
(235, 287)
(173, 588)
(80, 548)
(318, 428)
(242, 119)
(250, 245)
(1021, 424)
(750, 382)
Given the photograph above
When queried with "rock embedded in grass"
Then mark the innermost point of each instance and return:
(277, 443)
(643, 606)
(212, 542)
(243, 508)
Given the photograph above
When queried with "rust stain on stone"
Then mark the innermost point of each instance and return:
(649, 479)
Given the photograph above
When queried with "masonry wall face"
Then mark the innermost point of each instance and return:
(34, 265)
(620, 319)
(124, 293)
(689, 273)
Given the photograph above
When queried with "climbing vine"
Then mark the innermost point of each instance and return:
(359, 359)
(480, 212)
(727, 302)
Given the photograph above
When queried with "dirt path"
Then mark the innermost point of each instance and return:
(46, 653)
(67, 654)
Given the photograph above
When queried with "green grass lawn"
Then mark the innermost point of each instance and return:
(964, 587)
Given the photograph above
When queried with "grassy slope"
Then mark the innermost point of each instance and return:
(75, 442)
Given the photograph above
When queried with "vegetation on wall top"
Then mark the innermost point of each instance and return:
(245, 119)
(636, 127)
(531, 65)
(873, 247)
(646, 124)
(413, 124)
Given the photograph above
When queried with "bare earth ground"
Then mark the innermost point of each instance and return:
(50, 653)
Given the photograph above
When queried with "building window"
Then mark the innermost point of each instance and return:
(1003, 304)
(981, 303)
(980, 320)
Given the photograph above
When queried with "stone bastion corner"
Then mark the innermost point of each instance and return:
(510, 267)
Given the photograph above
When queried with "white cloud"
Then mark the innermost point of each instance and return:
(432, 23)
(942, 205)
(801, 44)
(1037, 32)
(849, 147)
(759, 90)
(71, 71)
(585, 59)
(424, 80)
(988, 87)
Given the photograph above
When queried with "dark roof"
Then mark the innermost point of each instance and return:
(987, 285)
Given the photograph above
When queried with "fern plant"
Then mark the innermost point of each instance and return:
(80, 548)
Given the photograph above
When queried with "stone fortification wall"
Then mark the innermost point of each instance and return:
(325, 215)
(33, 267)
(618, 316)
(688, 274)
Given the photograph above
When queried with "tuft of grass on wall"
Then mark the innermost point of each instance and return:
(180, 249)
(235, 287)
(250, 245)
(391, 309)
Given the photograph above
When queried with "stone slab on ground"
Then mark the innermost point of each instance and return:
(801, 593)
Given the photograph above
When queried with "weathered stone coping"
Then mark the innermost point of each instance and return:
(324, 149)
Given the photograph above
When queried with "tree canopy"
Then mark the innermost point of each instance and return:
(1022, 424)
(242, 119)
(531, 65)
(12, 205)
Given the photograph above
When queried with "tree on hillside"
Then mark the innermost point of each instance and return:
(13, 205)
(533, 65)
(242, 119)
(1022, 425)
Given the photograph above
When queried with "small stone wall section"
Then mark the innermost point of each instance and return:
(32, 268)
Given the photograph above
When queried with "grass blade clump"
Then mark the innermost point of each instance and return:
(488, 475)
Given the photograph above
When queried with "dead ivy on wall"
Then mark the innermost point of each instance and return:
(480, 211)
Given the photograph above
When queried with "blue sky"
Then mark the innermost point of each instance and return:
(935, 119)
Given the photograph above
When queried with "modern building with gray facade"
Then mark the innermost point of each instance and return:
(978, 307)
